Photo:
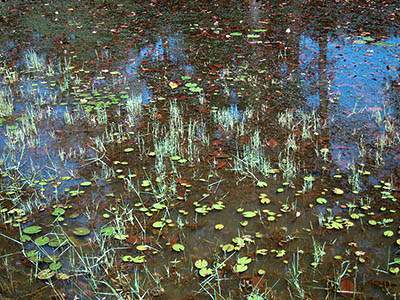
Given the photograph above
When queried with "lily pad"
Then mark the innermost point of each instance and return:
(238, 268)
(201, 263)
(81, 231)
(32, 229)
(249, 214)
(338, 191)
(178, 247)
(205, 272)
(41, 241)
(45, 274)
(321, 200)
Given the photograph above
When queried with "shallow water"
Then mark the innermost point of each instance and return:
(118, 117)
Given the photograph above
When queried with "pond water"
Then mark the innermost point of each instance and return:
(199, 150)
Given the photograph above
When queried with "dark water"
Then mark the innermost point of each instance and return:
(301, 97)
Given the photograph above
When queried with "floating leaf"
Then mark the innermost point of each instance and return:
(120, 236)
(81, 231)
(388, 233)
(262, 184)
(32, 229)
(146, 183)
(201, 263)
(321, 200)
(228, 248)
(86, 183)
(205, 272)
(238, 268)
(158, 224)
(41, 241)
(55, 266)
(136, 259)
(178, 247)
(45, 274)
(249, 214)
(338, 191)
(244, 260)
(108, 231)
(58, 211)
(25, 238)
(219, 226)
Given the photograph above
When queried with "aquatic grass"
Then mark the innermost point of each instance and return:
(6, 102)
(286, 119)
(134, 108)
(34, 61)
(294, 277)
(252, 158)
(318, 253)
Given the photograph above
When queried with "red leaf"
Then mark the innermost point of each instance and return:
(346, 287)
(272, 143)
(222, 164)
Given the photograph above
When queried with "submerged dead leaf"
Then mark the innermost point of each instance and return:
(346, 287)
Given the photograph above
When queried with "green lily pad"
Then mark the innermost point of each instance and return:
(32, 229)
(178, 247)
(244, 260)
(158, 224)
(146, 183)
(219, 226)
(85, 183)
(58, 211)
(204, 272)
(135, 259)
(321, 200)
(249, 214)
(238, 268)
(201, 263)
(45, 274)
(81, 231)
(388, 233)
(338, 191)
(262, 184)
(25, 238)
(108, 231)
(120, 236)
(55, 266)
(41, 241)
